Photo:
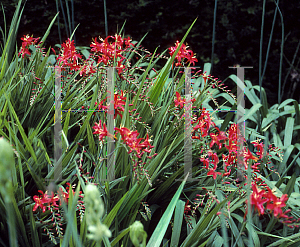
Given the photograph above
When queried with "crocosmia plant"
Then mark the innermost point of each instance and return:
(132, 153)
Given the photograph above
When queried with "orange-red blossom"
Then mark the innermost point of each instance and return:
(259, 197)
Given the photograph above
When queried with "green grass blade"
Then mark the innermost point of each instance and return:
(49, 28)
(112, 214)
(288, 133)
(179, 210)
(160, 230)
(251, 112)
(120, 236)
(34, 231)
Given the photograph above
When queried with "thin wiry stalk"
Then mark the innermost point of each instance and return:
(298, 62)
(69, 19)
(63, 12)
(249, 213)
(281, 53)
(73, 27)
(291, 66)
(59, 34)
(4, 20)
(260, 48)
(269, 44)
(105, 18)
(213, 36)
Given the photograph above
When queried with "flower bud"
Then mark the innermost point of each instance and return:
(94, 210)
(137, 234)
(6, 163)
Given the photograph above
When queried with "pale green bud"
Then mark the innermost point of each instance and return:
(6, 163)
(98, 231)
(94, 210)
(137, 234)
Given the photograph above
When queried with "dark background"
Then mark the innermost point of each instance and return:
(237, 36)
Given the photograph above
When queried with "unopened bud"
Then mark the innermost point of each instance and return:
(94, 209)
(6, 164)
(137, 234)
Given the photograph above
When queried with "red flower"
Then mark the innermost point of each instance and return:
(215, 159)
(120, 66)
(69, 56)
(178, 101)
(101, 132)
(51, 199)
(275, 204)
(232, 138)
(119, 102)
(111, 49)
(256, 199)
(206, 162)
(87, 69)
(229, 160)
(205, 77)
(204, 123)
(135, 146)
(126, 133)
(217, 138)
(283, 215)
(27, 41)
(187, 207)
(213, 173)
(101, 106)
(64, 196)
(24, 51)
(248, 155)
(255, 167)
(40, 201)
(203, 126)
(146, 144)
(130, 138)
(182, 54)
(260, 147)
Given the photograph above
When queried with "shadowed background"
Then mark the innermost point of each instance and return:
(237, 32)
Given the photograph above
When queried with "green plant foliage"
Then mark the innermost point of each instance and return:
(152, 200)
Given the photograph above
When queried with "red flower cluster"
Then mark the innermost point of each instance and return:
(119, 103)
(69, 56)
(260, 197)
(101, 132)
(180, 102)
(87, 68)
(214, 161)
(187, 207)
(130, 138)
(203, 125)
(111, 49)
(217, 138)
(26, 42)
(248, 156)
(182, 54)
(228, 161)
(45, 200)
(232, 138)
(260, 148)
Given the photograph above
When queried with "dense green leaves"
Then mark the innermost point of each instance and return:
(167, 209)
